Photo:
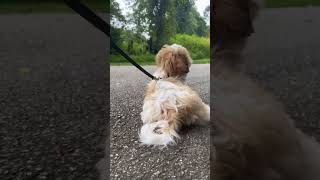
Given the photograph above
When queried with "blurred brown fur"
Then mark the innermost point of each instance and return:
(253, 137)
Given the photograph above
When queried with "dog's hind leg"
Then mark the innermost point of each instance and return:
(202, 115)
(205, 115)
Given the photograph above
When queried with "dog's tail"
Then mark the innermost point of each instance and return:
(311, 153)
(158, 133)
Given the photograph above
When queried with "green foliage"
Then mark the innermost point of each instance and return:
(161, 20)
(184, 16)
(201, 61)
(147, 59)
(116, 12)
(200, 28)
(141, 59)
(198, 47)
(136, 48)
(154, 23)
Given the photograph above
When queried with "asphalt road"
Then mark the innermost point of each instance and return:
(53, 97)
(188, 159)
(284, 56)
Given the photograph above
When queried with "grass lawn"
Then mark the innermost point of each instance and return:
(47, 7)
(291, 3)
(144, 63)
(147, 59)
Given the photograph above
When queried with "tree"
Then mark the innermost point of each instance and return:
(158, 20)
(200, 27)
(206, 14)
(184, 16)
(117, 22)
(117, 19)
(116, 15)
(154, 18)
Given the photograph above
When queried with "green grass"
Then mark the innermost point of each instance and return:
(291, 3)
(143, 59)
(201, 61)
(118, 61)
(46, 7)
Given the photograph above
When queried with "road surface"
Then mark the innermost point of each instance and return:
(53, 97)
(188, 159)
(284, 56)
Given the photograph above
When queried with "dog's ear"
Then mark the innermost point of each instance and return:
(254, 6)
(166, 60)
(160, 57)
(170, 64)
(184, 59)
(233, 18)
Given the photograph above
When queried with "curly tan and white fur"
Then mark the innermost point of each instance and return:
(169, 104)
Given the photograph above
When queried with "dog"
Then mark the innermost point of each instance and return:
(253, 137)
(169, 103)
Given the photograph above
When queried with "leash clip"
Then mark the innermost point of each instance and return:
(156, 78)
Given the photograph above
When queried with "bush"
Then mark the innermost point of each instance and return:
(143, 59)
(137, 48)
(198, 47)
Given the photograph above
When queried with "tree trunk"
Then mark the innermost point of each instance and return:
(160, 15)
(130, 45)
(150, 47)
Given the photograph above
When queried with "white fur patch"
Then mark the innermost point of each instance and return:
(175, 47)
(207, 118)
(149, 137)
(165, 96)
(151, 112)
(159, 73)
(167, 93)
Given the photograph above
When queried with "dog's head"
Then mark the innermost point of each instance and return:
(232, 25)
(173, 61)
(232, 19)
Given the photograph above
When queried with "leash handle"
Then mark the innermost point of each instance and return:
(103, 26)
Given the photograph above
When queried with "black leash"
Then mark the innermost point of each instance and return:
(95, 20)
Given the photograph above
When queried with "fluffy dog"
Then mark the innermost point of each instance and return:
(253, 137)
(169, 103)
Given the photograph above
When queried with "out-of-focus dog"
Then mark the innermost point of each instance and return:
(169, 103)
(253, 137)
